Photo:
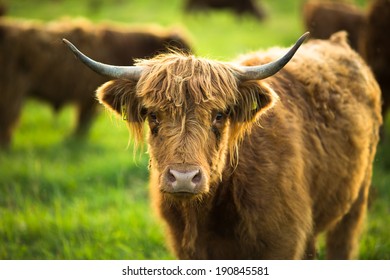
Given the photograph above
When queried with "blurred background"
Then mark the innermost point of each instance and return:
(69, 191)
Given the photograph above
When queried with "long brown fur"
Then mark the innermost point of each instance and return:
(304, 142)
(35, 63)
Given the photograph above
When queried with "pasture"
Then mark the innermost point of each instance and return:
(66, 198)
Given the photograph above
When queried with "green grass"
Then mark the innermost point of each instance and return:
(62, 198)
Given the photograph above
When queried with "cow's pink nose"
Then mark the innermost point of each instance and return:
(187, 181)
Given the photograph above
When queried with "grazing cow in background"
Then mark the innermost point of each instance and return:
(3, 9)
(30, 53)
(375, 46)
(249, 164)
(239, 7)
(323, 18)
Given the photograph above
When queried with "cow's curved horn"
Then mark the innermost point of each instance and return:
(269, 69)
(111, 71)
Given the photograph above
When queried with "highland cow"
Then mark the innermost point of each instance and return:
(375, 46)
(239, 7)
(323, 18)
(31, 52)
(254, 159)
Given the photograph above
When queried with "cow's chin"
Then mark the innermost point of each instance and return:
(183, 196)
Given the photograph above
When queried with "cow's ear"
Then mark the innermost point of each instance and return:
(120, 97)
(253, 100)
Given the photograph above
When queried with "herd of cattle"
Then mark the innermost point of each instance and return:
(261, 155)
(38, 65)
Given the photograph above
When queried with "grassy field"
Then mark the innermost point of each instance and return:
(62, 198)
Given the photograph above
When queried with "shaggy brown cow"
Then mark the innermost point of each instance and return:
(30, 54)
(323, 18)
(239, 7)
(375, 46)
(246, 164)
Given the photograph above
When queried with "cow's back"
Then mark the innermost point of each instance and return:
(323, 131)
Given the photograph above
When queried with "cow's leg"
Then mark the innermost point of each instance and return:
(5, 137)
(8, 121)
(342, 240)
(86, 113)
(311, 252)
(12, 94)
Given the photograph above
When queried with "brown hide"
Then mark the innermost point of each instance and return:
(323, 18)
(375, 46)
(239, 7)
(276, 161)
(35, 63)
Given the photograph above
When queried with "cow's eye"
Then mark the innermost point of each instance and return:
(218, 118)
(153, 117)
(153, 123)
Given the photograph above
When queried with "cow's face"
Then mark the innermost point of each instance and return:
(188, 150)
(196, 111)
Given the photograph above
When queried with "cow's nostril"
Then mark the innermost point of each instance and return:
(197, 178)
(171, 177)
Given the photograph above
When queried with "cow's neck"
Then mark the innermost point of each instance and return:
(213, 218)
(194, 223)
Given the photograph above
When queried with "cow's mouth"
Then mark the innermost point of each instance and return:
(181, 196)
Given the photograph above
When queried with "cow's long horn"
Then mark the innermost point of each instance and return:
(269, 69)
(111, 71)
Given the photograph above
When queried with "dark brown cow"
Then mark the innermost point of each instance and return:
(239, 7)
(249, 164)
(30, 53)
(375, 46)
(323, 18)
(3, 9)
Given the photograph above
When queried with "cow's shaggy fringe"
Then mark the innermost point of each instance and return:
(171, 78)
